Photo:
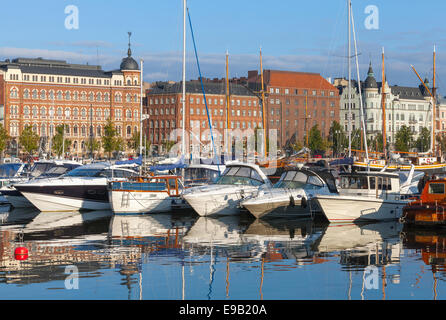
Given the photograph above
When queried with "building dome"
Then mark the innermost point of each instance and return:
(370, 81)
(129, 63)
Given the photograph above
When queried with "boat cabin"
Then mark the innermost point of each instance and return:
(169, 184)
(243, 174)
(378, 184)
(434, 191)
(306, 179)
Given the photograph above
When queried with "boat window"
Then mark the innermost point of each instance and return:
(80, 172)
(315, 181)
(354, 183)
(301, 177)
(171, 183)
(372, 183)
(256, 175)
(40, 168)
(244, 172)
(436, 188)
(232, 171)
(289, 175)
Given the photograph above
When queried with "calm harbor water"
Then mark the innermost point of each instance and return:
(183, 256)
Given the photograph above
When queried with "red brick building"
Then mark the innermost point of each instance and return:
(295, 102)
(164, 108)
(45, 93)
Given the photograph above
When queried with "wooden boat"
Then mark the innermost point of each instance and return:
(429, 209)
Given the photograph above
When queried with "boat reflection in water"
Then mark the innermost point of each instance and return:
(431, 244)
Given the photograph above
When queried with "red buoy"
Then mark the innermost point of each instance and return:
(21, 253)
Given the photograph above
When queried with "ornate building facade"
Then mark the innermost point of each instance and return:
(44, 94)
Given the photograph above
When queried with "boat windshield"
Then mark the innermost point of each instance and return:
(240, 176)
(9, 170)
(297, 179)
(100, 172)
(200, 175)
(40, 167)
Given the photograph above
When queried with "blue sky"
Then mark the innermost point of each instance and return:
(294, 35)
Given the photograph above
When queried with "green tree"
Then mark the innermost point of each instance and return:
(404, 139)
(338, 138)
(167, 145)
(59, 140)
(424, 140)
(4, 139)
(315, 141)
(29, 140)
(93, 145)
(110, 141)
(133, 142)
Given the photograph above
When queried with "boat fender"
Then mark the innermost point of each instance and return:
(292, 204)
(304, 202)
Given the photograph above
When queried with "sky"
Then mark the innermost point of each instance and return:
(308, 36)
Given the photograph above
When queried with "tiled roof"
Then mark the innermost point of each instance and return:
(296, 80)
(195, 87)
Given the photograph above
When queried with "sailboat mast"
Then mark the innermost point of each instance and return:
(229, 143)
(383, 103)
(263, 106)
(141, 111)
(349, 91)
(183, 100)
(434, 106)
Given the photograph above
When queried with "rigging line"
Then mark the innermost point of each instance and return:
(204, 93)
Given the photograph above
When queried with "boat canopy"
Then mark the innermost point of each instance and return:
(137, 161)
(342, 162)
(165, 167)
(9, 170)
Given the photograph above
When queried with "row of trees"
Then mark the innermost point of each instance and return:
(337, 141)
(110, 142)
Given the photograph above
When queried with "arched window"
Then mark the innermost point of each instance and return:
(91, 96)
(98, 113)
(51, 95)
(26, 94)
(99, 97)
(83, 113)
(128, 114)
(83, 96)
(14, 93)
(59, 112)
(99, 131)
(42, 111)
(67, 95)
(34, 95)
(67, 112)
(129, 130)
(128, 97)
(59, 95)
(42, 94)
(106, 97)
(75, 112)
(35, 112)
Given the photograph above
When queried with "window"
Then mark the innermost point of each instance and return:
(436, 188)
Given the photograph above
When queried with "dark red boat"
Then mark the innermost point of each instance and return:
(430, 208)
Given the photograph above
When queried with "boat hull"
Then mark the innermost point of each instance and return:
(15, 198)
(133, 202)
(342, 209)
(426, 214)
(221, 201)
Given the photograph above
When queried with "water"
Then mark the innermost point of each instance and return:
(183, 256)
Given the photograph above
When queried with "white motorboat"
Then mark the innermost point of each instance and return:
(40, 170)
(368, 196)
(292, 195)
(144, 195)
(84, 188)
(238, 182)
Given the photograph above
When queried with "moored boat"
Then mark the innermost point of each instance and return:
(429, 209)
(364, 196)
(144, 195)
(292, 195)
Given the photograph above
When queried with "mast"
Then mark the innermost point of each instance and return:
(229, 143)
(434, 107)
(383, 103)
(183, 144)
(263, 105)
(141, 126)
(349, 81)
(361, 107)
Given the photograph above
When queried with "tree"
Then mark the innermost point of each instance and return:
(29, 140)
(110, 142)
(424, 140)
(167, 145)
(93, 145)
(59, 143)
(441, 140)
(4, 139)
(133, 143)
(315, 141)
(404, 139)
(337, 137)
